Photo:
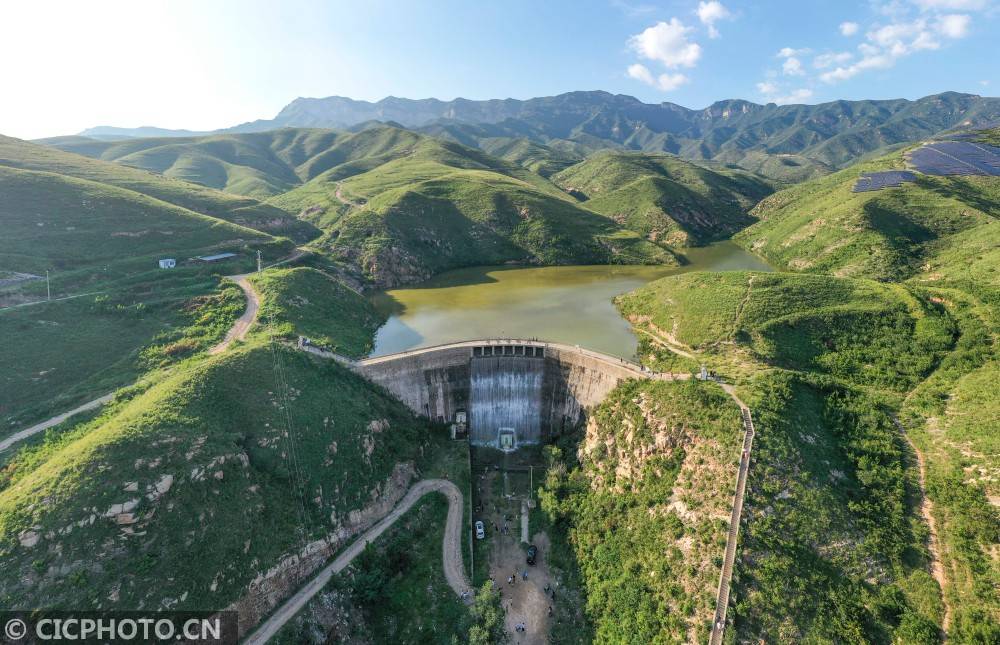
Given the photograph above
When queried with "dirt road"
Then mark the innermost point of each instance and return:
(239, 329)
(927, 512)
(454, 570)
(54, 421)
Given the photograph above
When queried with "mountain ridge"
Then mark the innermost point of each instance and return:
(825, 136)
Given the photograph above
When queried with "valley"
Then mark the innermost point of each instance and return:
(334, 340)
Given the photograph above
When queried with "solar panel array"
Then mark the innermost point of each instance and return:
(957, 158)
(879, 180)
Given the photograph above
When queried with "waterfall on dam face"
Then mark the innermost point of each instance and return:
(506, 394)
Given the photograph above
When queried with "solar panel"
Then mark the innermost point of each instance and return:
(879, 180)
(946, 158)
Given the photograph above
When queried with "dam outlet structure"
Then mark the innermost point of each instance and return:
(514, 392)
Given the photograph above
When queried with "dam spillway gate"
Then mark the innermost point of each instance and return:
(514, 392)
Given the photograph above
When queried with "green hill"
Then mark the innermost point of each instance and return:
(830, 503)
(231, 472)
(304, 301)
(663, 197)
(244, 211)
(640, 502)
(935, 231)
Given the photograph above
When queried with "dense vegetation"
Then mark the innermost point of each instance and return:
(644, 503)
(393, 592)
(663, 197)
(829, 551)
(857, 330)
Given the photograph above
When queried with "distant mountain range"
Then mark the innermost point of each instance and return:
(801, 140)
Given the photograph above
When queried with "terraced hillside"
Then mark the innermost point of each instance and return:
(664, 197)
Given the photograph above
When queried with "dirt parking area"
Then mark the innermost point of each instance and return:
(526, 600)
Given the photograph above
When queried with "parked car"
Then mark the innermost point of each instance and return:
(480, 530)
(532, 554)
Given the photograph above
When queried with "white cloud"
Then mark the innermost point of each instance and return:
(792, 67)
(795, 96)
(888, 43)
(788, 52)
(984, 83)
(830, 59)
(848, 28)
(664, 82)
(951, 5)
(711, 12)
(667, 43)
(771, 93)
(955, 25)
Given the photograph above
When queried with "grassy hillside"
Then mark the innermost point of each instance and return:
(856, 330)
(73, 225)
(663, 197)
(71, 351)
(394, 592)
(243, 211)
(472, 218)
(930, 230)
(643, 501)
(831, 549)
(225, 467)
(304, 301)
(833, 499)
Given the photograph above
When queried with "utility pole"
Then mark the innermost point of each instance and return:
(258, 260)
(48, 288)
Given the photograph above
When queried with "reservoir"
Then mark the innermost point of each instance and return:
(567, 304)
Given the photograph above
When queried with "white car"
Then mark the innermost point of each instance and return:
(480, 530)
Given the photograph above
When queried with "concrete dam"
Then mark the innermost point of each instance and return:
(513, 391)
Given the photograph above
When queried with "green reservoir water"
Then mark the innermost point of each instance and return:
(570, 304)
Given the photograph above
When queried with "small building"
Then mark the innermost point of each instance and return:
(216, 257)
(168, 263)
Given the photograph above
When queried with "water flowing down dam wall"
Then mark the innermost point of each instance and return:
(506, 393)
(539, 388)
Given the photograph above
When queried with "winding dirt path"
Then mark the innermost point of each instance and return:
(54, 421)
(239, 329)
(454, 570)
(927, 512)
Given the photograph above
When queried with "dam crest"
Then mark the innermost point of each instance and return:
(513, 392)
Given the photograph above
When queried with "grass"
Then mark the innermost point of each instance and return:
(919, 230)
(68, 352)
(663, 197)
(243, 211)
(858, 330)
(238, 503)
(305, 302)
(645, 510)
(829, 550)
(398, 583)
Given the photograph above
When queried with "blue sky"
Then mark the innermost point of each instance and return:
(203, 65)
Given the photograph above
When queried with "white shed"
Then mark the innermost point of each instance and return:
(168, 263)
